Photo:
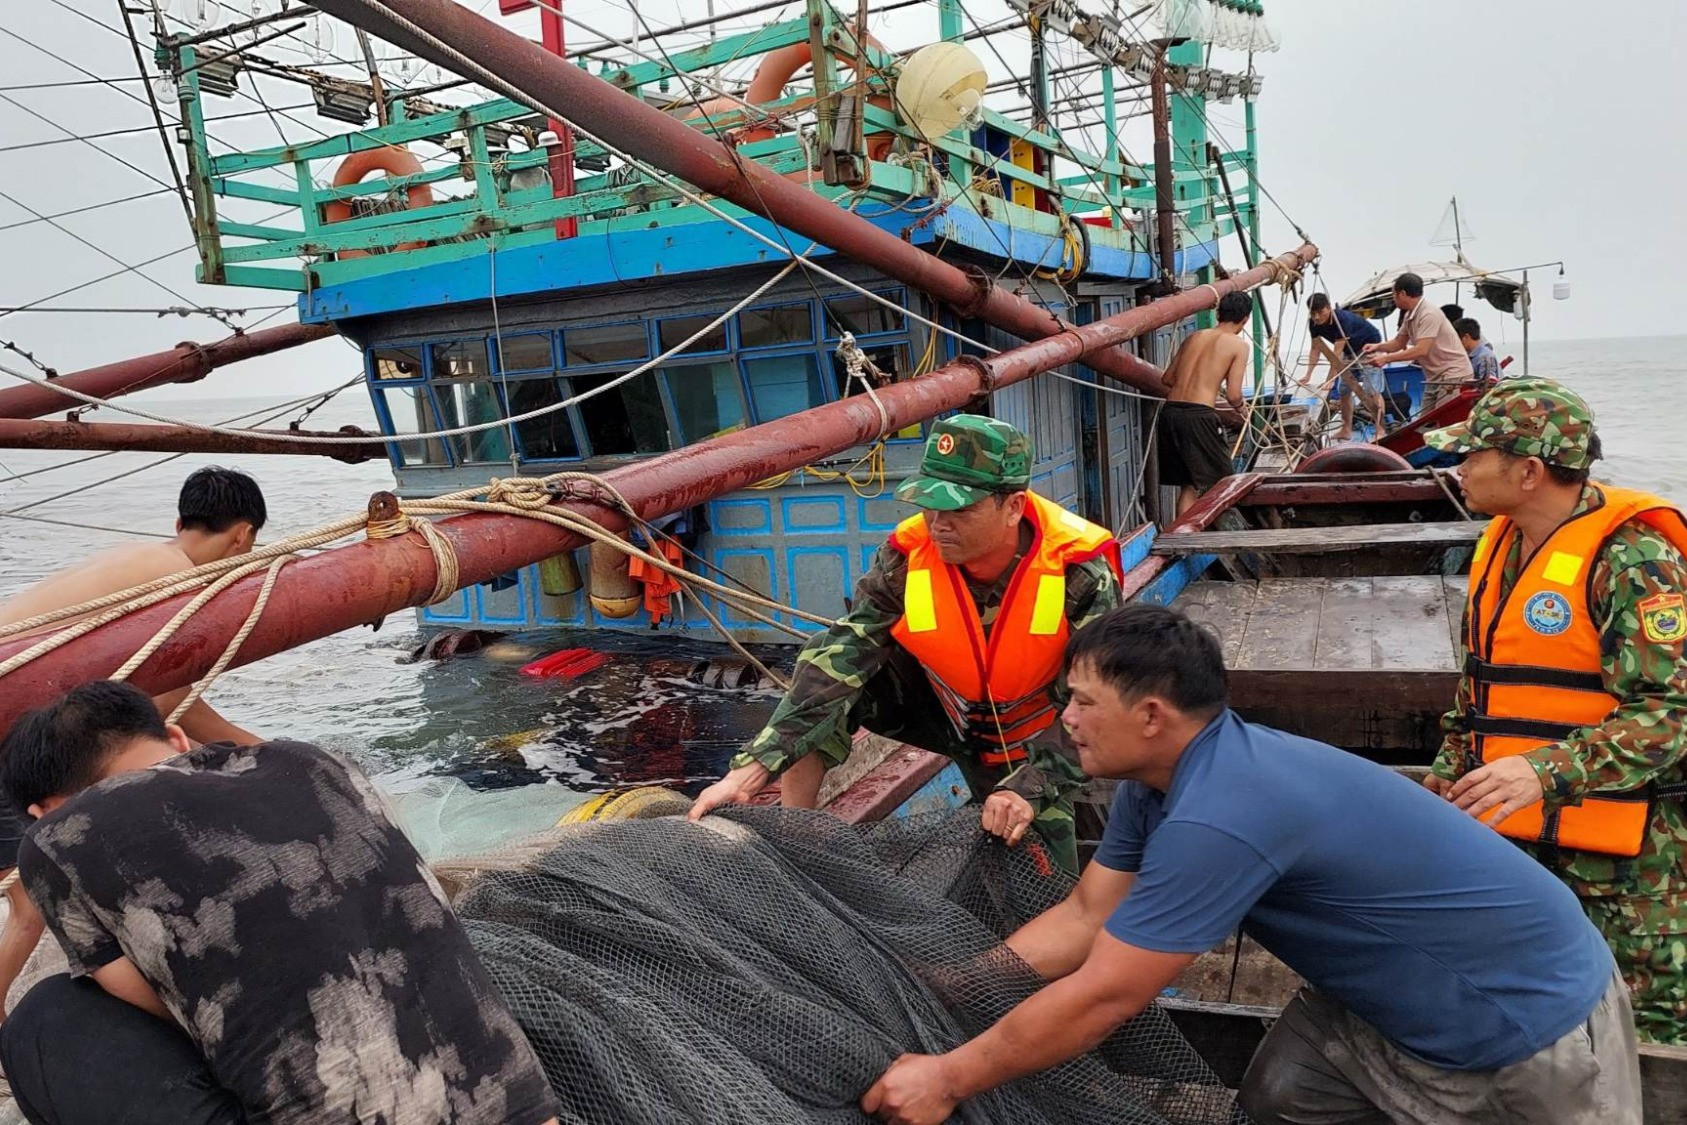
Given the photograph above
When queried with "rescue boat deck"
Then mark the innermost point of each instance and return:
(1389, 645)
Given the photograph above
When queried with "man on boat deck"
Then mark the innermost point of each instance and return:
(1426, 338)
(1194, 452)
(1449, 978)
(954, 642)
(1337, 335)
(1567, 733)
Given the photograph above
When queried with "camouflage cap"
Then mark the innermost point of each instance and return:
(1525, 417)
(967, 458)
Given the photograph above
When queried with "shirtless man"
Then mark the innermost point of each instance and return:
(1194, 452)
(219, 514)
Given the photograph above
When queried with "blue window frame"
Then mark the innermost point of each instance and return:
(675, 331)
(862, 316)
(524, 352)
(776, 326)
(596, 344)
(783, 384)
(705, 399)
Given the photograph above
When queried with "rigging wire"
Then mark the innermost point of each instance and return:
(154, 193)
(103, 252)
(132, 130)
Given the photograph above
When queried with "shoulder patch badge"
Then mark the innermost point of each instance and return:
(1663, 618)
(1547, 613)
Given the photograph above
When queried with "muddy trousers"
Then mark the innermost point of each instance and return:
(899, 703)
(76, 1055)
(1322, 1065)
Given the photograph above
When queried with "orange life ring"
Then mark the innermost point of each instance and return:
(395, 162)
(772, 75)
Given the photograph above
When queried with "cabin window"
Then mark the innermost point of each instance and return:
(863, 316)
(409, 410)
(783, 384)
(628, 419)
(396, 363)
(672, 333)
(461, 359)
(779, 324)
(606, 343)
(525, 353)
(466, 402)
(708, 399)
(549, 437)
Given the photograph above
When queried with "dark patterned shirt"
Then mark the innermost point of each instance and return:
(294, 933)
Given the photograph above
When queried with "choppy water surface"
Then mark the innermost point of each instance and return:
(637, 718)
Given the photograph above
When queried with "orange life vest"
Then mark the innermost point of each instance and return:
(995, 688)
(1533, 661)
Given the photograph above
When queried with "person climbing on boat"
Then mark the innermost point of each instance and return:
(250, 938)
(953, 642)
(219, 513)
(1194, 452)
(1337, 335)
(1426, 338)
(1448, 977)
(1569, 730)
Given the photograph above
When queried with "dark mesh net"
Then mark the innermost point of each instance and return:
(768, 965)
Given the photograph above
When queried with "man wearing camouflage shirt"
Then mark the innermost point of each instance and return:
(954, 642)
(1567, 731)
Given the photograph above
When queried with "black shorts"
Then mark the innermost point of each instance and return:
(1193, 449)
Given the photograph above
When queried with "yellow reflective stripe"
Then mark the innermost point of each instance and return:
(918, 609)
(1050, 608)
(1481, 551)
(1562, 568)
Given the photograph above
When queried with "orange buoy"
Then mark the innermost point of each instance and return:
(396, 162)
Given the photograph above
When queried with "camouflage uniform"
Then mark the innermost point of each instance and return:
(1639, 903)
(855, 674)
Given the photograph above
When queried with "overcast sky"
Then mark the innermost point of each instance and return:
(1559, 126)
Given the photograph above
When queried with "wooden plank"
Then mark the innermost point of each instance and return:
(1345, 634)
(1225, 607)
(1410, 624)
(1663, 1083)
(1320, 540)
(1457, 587)
(1282, 630)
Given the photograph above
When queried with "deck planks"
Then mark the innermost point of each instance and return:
(1319, 540)
(1383, 624)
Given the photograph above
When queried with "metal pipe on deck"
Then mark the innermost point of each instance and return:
(681, 150)
(27, 433)
(1165, 207)
(362, 583)
(184, 363)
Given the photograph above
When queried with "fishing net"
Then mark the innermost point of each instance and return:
(767, 965)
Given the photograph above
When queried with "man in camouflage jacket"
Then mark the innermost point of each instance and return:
(1528, 445)
(857, 675)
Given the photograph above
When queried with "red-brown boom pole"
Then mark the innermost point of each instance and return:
(669, 144)
(183, 363)
(361, 583)
(29, 433)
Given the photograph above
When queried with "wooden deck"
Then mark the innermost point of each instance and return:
(1367, 664)
(1321, 540)
(1387, 624)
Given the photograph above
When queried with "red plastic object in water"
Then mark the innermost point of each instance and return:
(568, 664)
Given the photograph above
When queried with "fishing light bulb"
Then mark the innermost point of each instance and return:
(197, 14)
(164, 89)
(1561, 287)
(320, 45)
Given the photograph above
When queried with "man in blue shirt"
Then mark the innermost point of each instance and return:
(1449, 976)
(1338, 335)
(1483, 362)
